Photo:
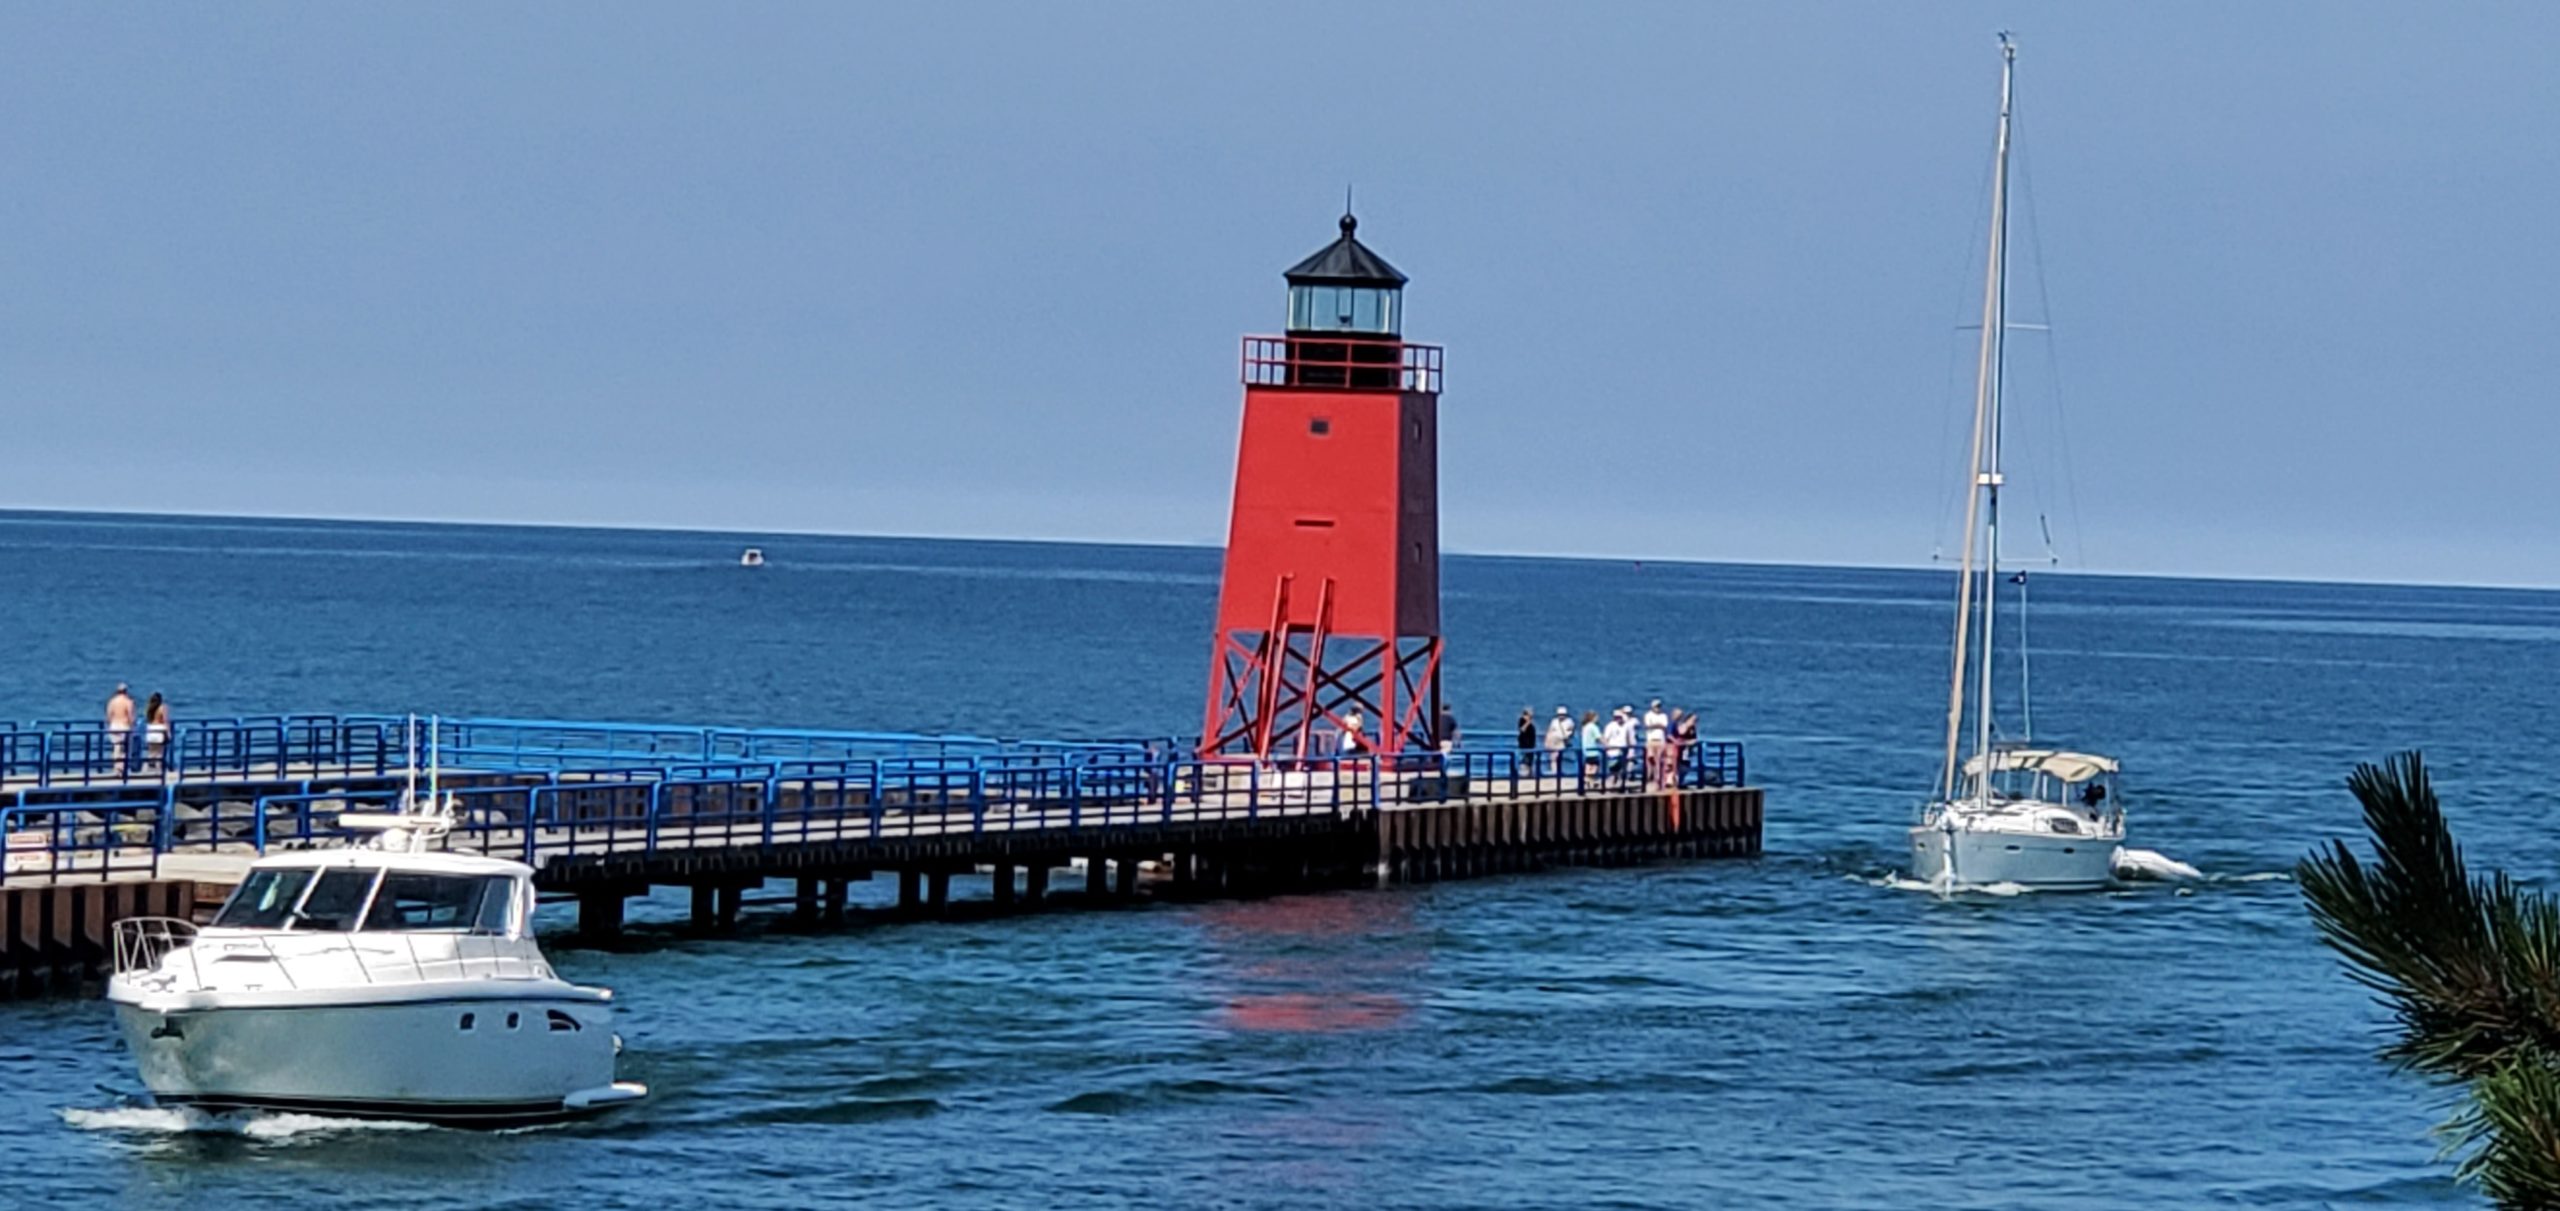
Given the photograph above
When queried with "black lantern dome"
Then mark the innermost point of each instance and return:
(1345, 288)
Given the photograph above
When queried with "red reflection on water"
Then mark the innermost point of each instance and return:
(1315, 964)
(1307, 1013)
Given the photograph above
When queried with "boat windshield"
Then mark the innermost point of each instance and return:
(2023, 785)
(264, 899)
(298, 898)
(410, 900)
(332, 904)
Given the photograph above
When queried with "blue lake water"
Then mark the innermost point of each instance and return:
(1786, 1032)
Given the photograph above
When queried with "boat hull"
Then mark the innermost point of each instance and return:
(1962, 857)
(452, 1059)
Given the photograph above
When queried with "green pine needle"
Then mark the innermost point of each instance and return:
(2470, 968)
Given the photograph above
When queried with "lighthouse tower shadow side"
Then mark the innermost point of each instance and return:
(1328, 630)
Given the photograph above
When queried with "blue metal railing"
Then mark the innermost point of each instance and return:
(84, 802)
(86, 840)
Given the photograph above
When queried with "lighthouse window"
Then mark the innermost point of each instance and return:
(1320, 426)
(1342, 309)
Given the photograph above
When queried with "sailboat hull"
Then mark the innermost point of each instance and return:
(1958, 856)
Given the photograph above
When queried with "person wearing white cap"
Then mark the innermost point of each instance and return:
(1559, 737)
(1616, 739)
(1657, 741)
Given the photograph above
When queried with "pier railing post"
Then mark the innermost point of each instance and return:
(765, 814)
(977, 798)
(649, 824)
(532, 820)
(877, 805)
(164, 830)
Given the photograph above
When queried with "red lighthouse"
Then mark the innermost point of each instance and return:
(1329, 611)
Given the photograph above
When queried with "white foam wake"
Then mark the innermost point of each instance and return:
(164, 1120)
(1897, 881)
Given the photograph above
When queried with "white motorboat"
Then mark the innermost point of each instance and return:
(2010, 814)
(384, 981)
(752, 557)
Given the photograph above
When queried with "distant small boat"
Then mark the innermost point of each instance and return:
(753, 558)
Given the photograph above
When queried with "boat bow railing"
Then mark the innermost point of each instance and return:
(142, 944)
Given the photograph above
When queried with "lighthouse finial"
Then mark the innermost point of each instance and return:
(1348, 223)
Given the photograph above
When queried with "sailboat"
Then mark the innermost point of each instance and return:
(2009, 812)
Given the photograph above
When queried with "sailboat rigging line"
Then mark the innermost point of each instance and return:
(1985, 425)
(2053, 369)
(1947, 491)
(2026, 684)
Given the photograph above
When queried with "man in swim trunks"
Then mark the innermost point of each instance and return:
(119, 721)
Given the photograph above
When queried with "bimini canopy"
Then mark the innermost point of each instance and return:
(2069, 767)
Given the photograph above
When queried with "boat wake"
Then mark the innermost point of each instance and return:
(252, 1124)
(1898, 881)
(2132, 866)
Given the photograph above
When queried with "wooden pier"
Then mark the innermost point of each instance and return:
(606, 812)
(53, 937)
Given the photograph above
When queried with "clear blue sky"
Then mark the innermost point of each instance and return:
(979, 270)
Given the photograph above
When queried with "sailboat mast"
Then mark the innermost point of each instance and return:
(1985, 424)
(1995, 323)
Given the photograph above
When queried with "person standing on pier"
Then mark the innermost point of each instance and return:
(1527, 760)
(119, 721)
(1591, 747)
(1350, 742)
(1444, 728)
(1657, 740)
(1559, 738)
(1617, 739)
(155, 730)
(1684, 743)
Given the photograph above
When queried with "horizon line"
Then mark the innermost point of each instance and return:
(13, 512)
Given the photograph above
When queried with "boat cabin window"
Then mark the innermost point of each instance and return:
(411, 900)
(334, 901)
(497, 907)
(264, 899)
